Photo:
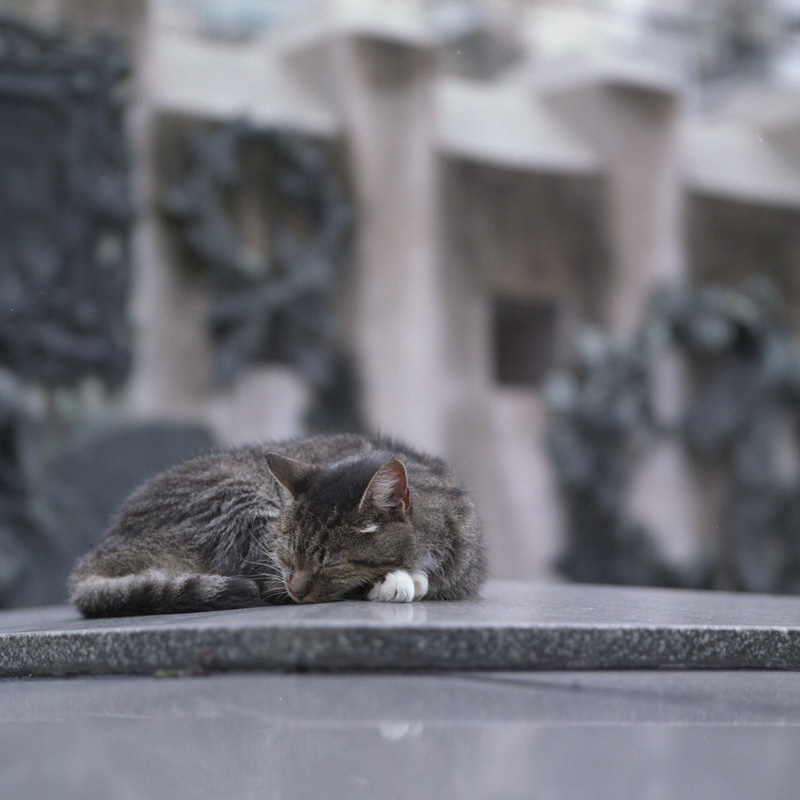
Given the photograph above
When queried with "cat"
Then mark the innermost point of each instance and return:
(326, 518)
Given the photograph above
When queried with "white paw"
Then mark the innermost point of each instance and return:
(396, 587)
(420, 584)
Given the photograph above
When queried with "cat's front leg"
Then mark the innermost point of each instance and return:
(400, 586)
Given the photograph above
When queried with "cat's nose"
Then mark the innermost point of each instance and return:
(298, 585)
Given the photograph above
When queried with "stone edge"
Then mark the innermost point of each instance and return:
(332, 649)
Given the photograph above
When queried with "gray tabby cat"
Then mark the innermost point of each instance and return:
(326, 518)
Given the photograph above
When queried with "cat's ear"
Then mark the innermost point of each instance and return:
(295, 475)
(388, 489)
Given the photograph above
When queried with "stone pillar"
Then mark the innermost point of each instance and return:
(644, 193)
(396, 325)
(644, 198)
(633, 118)
(172, 364)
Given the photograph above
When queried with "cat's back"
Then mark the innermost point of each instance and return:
(321, 450)
(331, 448)
(435, 485)
(214, 476)
(194, 489)
(220, 476)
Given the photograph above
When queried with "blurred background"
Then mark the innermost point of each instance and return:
(554, 241)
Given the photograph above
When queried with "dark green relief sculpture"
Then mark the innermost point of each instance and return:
(17, 526)
(599, 414)
(65, 212)
(276, 303)
(745, 378)
(65, 218)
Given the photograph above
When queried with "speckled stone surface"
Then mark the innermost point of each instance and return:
(513, 626)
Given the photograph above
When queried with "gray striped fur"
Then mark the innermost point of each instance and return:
(220, 531)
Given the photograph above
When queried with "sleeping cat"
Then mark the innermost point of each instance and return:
(314, 520)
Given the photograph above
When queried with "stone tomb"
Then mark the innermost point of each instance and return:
(513, 626)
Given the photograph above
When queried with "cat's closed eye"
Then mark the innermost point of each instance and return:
(371, 528)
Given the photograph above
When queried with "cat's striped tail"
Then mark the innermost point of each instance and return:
(156, 591)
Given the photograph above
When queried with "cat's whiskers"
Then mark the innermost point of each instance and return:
(275, 594)
(266, 558)
(261, 570)
(263, 576)
(261, 562)
(276, 591)
(264, 549)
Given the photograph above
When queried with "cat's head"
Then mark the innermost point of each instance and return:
(347, 525)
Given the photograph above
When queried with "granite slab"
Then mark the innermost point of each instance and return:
(513, 626)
